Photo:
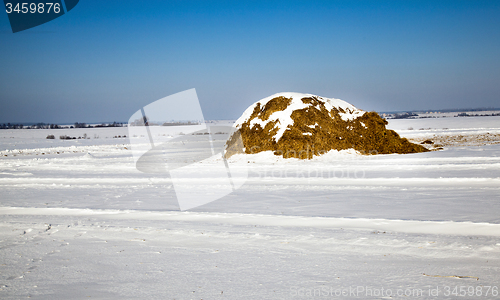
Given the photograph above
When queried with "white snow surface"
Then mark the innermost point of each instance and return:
(78, 221)
(284, 117)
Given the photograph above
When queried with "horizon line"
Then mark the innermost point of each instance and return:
(207, 120)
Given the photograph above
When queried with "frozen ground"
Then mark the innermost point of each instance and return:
(79, 221)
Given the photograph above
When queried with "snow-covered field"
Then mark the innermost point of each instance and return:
(78, 221)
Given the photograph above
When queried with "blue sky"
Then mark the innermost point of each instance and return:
(104, 60)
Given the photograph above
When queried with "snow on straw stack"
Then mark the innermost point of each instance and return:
(304, 125)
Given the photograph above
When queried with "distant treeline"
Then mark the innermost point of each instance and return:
(56, 126)
(477, 115)
(83, 125)
(406, 115)
(442, 110)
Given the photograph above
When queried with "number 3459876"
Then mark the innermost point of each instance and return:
(34, 8)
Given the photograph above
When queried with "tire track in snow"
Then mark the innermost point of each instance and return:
(405, 226)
